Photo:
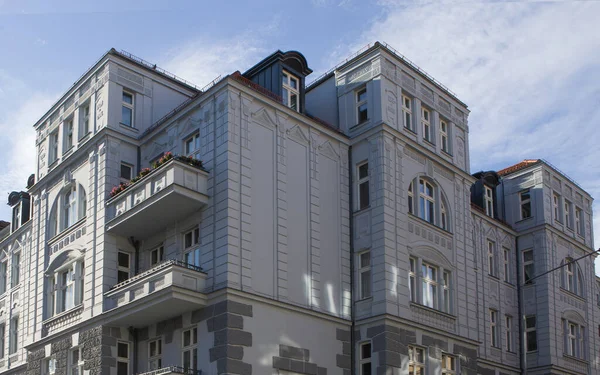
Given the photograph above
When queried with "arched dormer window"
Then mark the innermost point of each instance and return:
(68, 208)
(430, 203)
(572, 277)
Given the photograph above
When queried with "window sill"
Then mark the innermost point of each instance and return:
(523, 220)
(61, 314)
(428, 142)
(128, 127)
(67, 152)
(447, 153)
(65, 232)
(84, 137)
(362, 210)
(53, 164)
(410, 130)
(575, 295)
(494, 277)
(359, 125)
(431, 309)
(445, 231)
(365, 299)
(568, 356)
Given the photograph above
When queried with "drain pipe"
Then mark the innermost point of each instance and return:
(136, 245)
(522, 343)
(351, 208)
(134, 334)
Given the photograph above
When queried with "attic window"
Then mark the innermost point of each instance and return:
(489, 201)
(290, 91)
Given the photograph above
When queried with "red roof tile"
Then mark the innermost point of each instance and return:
(517, 167)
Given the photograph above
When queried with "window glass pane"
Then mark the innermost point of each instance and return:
(366, 351)
(294, 101)
(127, 98)
(123, 260)
(122, 350)
(293, 83)
(363, 171)
(188, 239)
(284, 96)
(361, 95)
(285, 79)
(362, 113)
(125, 171)
(365, 284)
(364, 195)
(186, 338)
(365, 259)
(122, 368)
(126, 116)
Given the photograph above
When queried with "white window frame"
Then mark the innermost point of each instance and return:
(15, 271)
(3, 276)
(130, 106)
(2, 339)
(488, 198)
(416, 367)
(68, 134)
(84, 120)
(16, 217)
(556, 204)
(288, 91)
(13, 339)
(530, 330)
(494, 328)
(363, 181)
(448, 364)
(444, 136)
(365, 358)
(66, 288)
(528, 263)
(407, 106)
(429, 285)
(411, 198)
(447, 291)
(364, 275)
(492, 258)
(125, 179)
(508, 332)
(123, 268)
(191, 249)
(507, 273)
(49, 366)
(121, 359)
(66, 294)
(523, 202)
(190, 348)
(428, 201)
(443, 216)
(578, 221)
(191, 145)
(155, 359)
(572, 333)
(53, 147)
(568, 217)
(157, 255)
(569, 275)
(75, 367)
(426, 123)
(361, 105)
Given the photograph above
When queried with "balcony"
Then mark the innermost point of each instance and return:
(167, 194)
(162, 292)
(172, 370)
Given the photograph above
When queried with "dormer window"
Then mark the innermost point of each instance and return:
(290, 91)
(489, 201)
(127, 109)
(362, 112)
(16, 217)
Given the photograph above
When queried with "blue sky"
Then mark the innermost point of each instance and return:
(529, 70)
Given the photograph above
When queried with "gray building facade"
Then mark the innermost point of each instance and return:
(263, 226)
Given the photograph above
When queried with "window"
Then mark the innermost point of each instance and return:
(127, 109)
(84, 120)
(189, 352)
(13, 340)
(126, 172)
(363, 185)
(574, 339)
(568, 216)
(16, 217)
(68, 209)
(492, 267)
(68, 135)
(494, 328)
(416, 361)
(70, 213)
(412, 279)
(426, 122)
(410, 198)
(3, 273)
(122, 358)
(507, 276)
(124, 266)
(53, 148)
(530, 334)
(365, 358)
(65, 288)
(429, 285)
(443, 216)
(446, 279)
(49, 366)
(525, 199)
(364, 273)
(191, 253)
(528, 267)
(192, 144)
(555, 202)
(289, 92)
(444, 136)
(2, 339)
(572, 278)
(407, 110)
(362, 113)
(448, 364)
(426, 201)
(569, 277)
(76, 362)
(489, 201)
(15, 275)
(578, 221)
(157, 255)
(508, 332)
(154, 354)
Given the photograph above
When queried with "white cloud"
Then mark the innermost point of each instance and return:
(529, 72)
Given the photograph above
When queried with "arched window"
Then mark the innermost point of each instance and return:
(572, 277)
(410, 198)
(64, 282)
(443, 216)
(68, 208)
(426, 201)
